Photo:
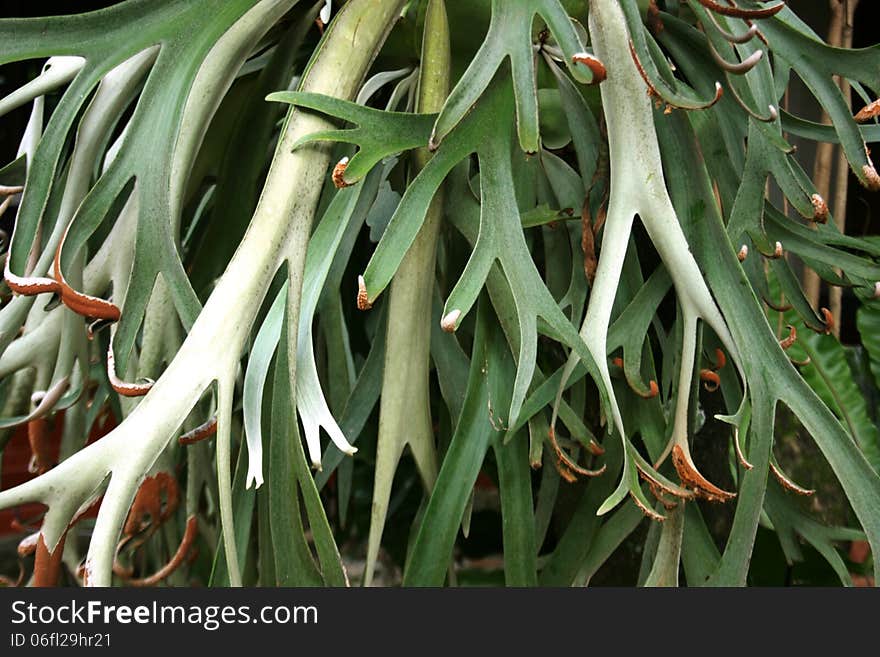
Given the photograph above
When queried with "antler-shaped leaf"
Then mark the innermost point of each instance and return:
(379, 134)
(510, 35)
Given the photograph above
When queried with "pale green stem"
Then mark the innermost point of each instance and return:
(664, 572)
(405, 410)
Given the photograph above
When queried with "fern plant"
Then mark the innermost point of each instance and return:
(241, 223)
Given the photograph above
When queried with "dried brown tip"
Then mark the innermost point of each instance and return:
(40, 442)
(450, 320)
(711, 381)
(28, 545)
(829, 320)
(189, 537)
(595, 448)
(653, 390)
(740, 455)
(868, 112)
(820, 209)
(663, 487)
(720, 359)
(743, 253)
(787, 483)
(778, 307)
(597, 68)
(79, 302)
(363, 301)
(204, 430)
(47, 565)
(691, 477)
(738, 12)
(786, 343)
(565, 459)
(564, 472)
(10, 190)
(124, 388)
(657, 96)
(653, 515)
(871, 176)
(658, 493)
(339, 173)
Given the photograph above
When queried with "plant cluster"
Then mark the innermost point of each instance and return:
(412, 224)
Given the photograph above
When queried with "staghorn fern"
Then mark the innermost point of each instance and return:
(190, 264)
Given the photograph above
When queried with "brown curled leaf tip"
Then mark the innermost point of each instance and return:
(652, 391)
(868, 112)
(653, 515)
(28, 545)
(597, 68)
(871, 177)
(658, 97)
(595, 448)
(339, 174)
(201, 432)
(186, 543)
(711, 381)
(692, 478)
(121, 387)
(820, 209)
(786, 343)
(363, 301)
(658, 493)
(787, 483)
(79, 302)
(778, 307)
(739, 12)
(662, 487)
(829, 320)
(741, 457)
(566, 460)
